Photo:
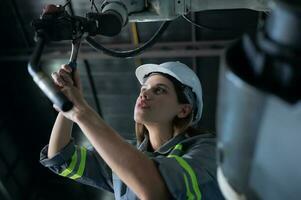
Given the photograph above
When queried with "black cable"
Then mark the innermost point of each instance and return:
(200, 26)
(93, 88)
(133, 52)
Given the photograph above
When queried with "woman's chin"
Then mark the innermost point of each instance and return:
(139, 119)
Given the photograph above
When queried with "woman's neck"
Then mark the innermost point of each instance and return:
(159, 134)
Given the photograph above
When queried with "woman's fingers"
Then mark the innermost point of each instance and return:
(66, 76)
(75, 75)
(63, 76)
(67, 68)
(57, 79)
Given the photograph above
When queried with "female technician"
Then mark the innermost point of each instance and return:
(172, 160)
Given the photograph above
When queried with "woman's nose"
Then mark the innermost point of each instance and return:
(145, 95)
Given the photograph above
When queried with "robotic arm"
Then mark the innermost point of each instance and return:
(158, 10)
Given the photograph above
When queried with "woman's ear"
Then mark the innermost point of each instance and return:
(185, 110)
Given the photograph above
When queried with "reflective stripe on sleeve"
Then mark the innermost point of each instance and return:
(82, 164)
(71, 166)
(73, 163)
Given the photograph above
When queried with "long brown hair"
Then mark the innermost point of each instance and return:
(179, 124)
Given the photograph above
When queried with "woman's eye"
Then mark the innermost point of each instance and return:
(159, 90)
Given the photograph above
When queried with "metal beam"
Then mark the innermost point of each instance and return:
(159, 50)
(66, 46)
(182, 44)
(146, 54)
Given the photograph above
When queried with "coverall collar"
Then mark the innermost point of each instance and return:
(166, 147)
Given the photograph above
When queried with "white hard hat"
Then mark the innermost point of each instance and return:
(182, 73)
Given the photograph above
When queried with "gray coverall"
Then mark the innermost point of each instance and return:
(187, 165)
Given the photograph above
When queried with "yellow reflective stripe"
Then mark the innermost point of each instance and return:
(191, 173)
(71, 166)
(81, 168)
(188, 193)
(178, 147)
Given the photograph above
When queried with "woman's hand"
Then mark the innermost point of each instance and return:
(69, 84)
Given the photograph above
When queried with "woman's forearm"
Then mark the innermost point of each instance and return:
(133, 167)
(60, 135)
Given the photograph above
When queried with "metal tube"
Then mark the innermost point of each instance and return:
(44, 82)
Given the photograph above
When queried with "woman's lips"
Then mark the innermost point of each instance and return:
(142, 104)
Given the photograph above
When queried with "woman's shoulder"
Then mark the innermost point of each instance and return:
(205, 139)
(201, 148)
